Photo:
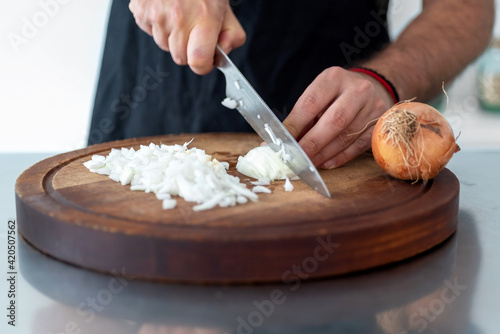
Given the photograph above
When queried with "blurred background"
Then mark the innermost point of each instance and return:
(49, 74)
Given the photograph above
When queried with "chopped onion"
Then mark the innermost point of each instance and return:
(262, 163)
(261, 189)
(168, 204)
(262, 182)
(288, 185)
(230, 103)
(174, 170)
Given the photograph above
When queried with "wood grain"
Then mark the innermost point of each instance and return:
(371, 220)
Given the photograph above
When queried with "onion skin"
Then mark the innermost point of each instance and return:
(426, 150)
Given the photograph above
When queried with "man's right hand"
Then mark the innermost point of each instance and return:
(190, 29)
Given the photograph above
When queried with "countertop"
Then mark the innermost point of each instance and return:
(452, 288)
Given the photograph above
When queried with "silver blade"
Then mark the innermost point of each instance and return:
(266, 124)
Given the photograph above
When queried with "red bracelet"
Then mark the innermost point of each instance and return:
(380, 78)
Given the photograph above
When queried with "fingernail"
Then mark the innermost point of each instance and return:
(330, 164)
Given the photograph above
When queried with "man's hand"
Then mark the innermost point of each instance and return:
(433, 48)
(190, 29)
(334, 118)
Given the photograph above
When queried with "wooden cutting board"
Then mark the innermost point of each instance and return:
(371, 219)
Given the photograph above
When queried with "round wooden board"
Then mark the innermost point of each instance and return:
(371, 219)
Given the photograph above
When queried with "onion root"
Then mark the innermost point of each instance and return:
(413, 141)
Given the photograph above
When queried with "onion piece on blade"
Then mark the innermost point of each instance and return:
(229, 103)
(413, 141)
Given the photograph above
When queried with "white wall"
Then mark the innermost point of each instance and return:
(48, 78)
(48, 81)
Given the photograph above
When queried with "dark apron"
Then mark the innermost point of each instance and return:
(142, 92)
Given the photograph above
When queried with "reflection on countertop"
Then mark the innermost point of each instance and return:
(427, 294)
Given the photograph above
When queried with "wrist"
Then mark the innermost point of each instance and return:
(381, 81)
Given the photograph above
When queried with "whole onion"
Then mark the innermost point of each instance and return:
(413, 141)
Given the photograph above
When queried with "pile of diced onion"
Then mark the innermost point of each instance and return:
(174, 170)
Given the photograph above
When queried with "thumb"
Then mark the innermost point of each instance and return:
(232, 34)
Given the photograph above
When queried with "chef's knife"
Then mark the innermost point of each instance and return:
(266, 124)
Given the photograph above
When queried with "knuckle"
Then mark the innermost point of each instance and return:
(344, 139)
(176, 16)
(133, 7)
(140, 15)
(310, 146)
(160, 39)
(240, 37)
(203, 10)
(178, 59)
(365, 86)
(337, 119)
(162, 45)
(291, 128)
(333, 73)
(309, 106)
(362, 144)
(136, 6)
(199, 65)
(198, 57)
(379, 105)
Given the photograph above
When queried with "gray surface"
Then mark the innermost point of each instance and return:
(451, 289)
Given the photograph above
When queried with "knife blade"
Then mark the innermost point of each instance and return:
(266, 124)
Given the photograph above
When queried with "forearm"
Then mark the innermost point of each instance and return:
(436, 46)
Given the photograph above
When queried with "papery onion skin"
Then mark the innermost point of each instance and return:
(430, 142)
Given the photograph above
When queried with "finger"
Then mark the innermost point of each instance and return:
(177, 44)
(138, 13)
(346, 137)
(144, 26)
(132, 6)
(232, 35)
(360, 145)
(160, 36)
(201, 47)
(336, 119)
(314, 101)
